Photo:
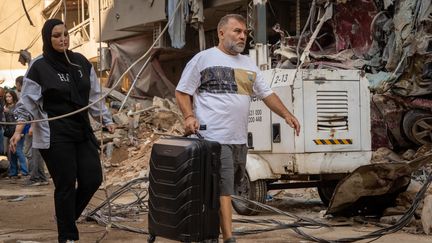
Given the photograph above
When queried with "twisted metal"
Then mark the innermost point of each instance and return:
(250, 19)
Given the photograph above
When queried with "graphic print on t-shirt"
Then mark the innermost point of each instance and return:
(244, 80)
(223, 80)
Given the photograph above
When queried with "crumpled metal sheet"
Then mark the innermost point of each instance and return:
(406, 52)
(371, 188)
(412, 82)
(379, 132)
(392, 109)
(369, 181)
(387, 3)
(151, 82)
(351, 23)
(387, 114)
(403, 23)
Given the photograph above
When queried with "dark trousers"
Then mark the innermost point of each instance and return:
(77, 174)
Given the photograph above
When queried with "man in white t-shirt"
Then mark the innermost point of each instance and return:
(214, 95)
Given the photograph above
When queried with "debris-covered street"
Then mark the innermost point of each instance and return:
(334, 115)
(28, 216)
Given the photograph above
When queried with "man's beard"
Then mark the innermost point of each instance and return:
(235, 47)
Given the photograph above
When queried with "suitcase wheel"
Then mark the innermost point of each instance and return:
(151, 238)
(210, 241)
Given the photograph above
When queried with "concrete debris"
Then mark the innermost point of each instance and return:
(118, 98)
(385, 155)
(121, 119)
(426, 215)
(409, 154)
(390, 219)
(127, 151)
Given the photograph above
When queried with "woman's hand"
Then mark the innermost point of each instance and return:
(111, 128)
(13, 142)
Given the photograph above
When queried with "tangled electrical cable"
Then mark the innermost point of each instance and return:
(139, 188)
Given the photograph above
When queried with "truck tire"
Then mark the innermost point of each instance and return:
(417, 126)
(252, 190)
(326, 190)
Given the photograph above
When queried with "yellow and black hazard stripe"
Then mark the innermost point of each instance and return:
(332, 141)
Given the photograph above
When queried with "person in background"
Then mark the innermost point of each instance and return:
(36, 164)
(10, 101)
(34, 158)
(2, 146)
(27, 142)
(214, 95)
(57, 83)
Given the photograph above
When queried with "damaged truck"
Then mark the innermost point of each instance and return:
(358, 77)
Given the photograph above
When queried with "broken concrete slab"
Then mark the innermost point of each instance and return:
(121, 119)
(385, 155)
(426, 215)
(118, 96)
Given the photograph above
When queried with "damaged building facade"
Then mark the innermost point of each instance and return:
(389, 40)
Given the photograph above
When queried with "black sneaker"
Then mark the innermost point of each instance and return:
(230, 240)
(31, 183)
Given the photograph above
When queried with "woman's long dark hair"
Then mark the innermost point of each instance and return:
(14, 97)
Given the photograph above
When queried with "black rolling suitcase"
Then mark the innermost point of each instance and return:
(184, 189)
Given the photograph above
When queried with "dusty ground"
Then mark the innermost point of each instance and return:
(30, 219)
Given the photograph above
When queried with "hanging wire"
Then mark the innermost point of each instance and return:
(102, 155)
(13, 23)
(311, 13)
(5, 50)
(26, 13)
(133, 83)
(36, 38)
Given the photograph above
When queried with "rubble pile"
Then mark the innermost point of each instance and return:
(422, 220)
(388, 188)
(126, 153)
(391, 42)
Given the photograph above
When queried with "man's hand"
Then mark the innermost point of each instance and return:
(13, 142)
(292, 121)
(184, 101)
(191, 125)
(275, 104)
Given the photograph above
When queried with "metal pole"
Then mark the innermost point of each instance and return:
(298, 23)
(261, 33)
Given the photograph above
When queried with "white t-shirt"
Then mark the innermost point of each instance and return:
(222, 86)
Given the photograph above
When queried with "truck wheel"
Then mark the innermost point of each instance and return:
(326, 191)
(417, 126)
(252, 190)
